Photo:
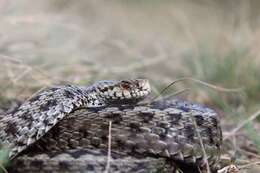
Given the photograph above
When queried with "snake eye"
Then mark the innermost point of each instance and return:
(125, 84)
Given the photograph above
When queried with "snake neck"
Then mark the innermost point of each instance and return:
(91, 98)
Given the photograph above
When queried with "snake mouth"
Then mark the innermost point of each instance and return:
(127, 98)
(118, 102)
(133, 89)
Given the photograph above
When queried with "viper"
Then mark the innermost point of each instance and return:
(47, 124)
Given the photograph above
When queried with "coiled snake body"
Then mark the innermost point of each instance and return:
(50, 123)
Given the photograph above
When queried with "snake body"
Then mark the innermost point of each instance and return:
(165, 129)
(42, 111)
(88, 161)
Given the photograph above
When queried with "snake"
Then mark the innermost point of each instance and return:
(67, 127)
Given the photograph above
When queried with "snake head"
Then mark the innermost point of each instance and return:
(124, 91)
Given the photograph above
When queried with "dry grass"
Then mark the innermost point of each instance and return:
(63, 41)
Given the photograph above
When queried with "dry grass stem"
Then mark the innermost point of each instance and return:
(178, 93)
(242, 124)
(249, 165)
(3, 168)
(214, 87)
(32, 69)
(109, 148)
(175, 94)
(249, 153)
(205, 157)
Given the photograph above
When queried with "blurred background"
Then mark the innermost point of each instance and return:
(48, 42)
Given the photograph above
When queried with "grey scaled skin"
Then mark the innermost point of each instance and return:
(36, 116)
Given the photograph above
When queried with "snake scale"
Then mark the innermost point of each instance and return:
(51, 133)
